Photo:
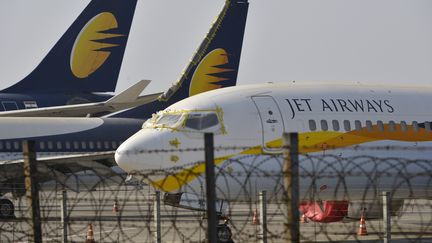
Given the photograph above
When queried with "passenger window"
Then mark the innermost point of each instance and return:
(335, 124)
(68, 145)
(8, 145)
(201, 121)
(91, 145)
(358, 125)
(392, 126)
(403, 126)
(113, 145)
(312, 125)
(42, 145)
(50, 145)
(369, 125)
(347, 125)
(59, 145)
(324, 125)
(16, 145)
(76, 145)
(427, 126)
(415, 126)
(380, 125)
(106, 145)
(98, 145)
(83, 145)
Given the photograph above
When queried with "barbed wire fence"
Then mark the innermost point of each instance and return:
(336, 187)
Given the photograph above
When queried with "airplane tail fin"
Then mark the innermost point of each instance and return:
(214, 65)
(88, 56)
(216, 62)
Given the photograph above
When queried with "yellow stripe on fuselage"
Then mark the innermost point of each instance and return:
(308, 142)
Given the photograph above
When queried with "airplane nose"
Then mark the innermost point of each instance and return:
(131, 156)
(123, 159)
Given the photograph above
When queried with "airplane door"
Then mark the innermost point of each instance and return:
(9, 105)
(271, 121)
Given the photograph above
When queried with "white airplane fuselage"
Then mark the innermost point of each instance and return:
(330, 119)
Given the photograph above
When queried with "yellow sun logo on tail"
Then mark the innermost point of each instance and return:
(209, 73)
(91, 48)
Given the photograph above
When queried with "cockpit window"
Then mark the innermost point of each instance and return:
(188, 121)
(168, 120)
(200, 121)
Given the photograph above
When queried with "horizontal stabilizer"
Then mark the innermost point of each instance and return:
(130, 94)
(127, 99)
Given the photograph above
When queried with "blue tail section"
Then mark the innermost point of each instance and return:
(87, 58)
(214, 65)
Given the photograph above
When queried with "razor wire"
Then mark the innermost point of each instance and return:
(333, 187)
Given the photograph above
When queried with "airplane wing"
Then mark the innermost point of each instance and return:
(63, 169)
(126, 99)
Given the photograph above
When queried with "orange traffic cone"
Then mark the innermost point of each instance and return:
(115, 207)
(255, 219)
(90, 235)
(362, 228)
(303, 219)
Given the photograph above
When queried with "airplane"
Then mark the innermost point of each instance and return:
(85, 60)
(89, 143)
(249, 121)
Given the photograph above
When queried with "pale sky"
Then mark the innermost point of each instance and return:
(367, 41)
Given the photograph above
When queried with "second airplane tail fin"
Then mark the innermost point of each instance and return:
(88, 56)
(216, 62)
(214, 65)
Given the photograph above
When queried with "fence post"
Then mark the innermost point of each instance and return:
(64, 216)
(32, 189)
(157, 215)
(386, 216)
(210, 188)
(263, 216)
(291, 183)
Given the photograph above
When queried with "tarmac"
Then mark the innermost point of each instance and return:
(134, 221)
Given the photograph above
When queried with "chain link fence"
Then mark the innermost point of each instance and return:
(336, 189)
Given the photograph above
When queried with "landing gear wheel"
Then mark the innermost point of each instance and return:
(224, 234)
(7, 209)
